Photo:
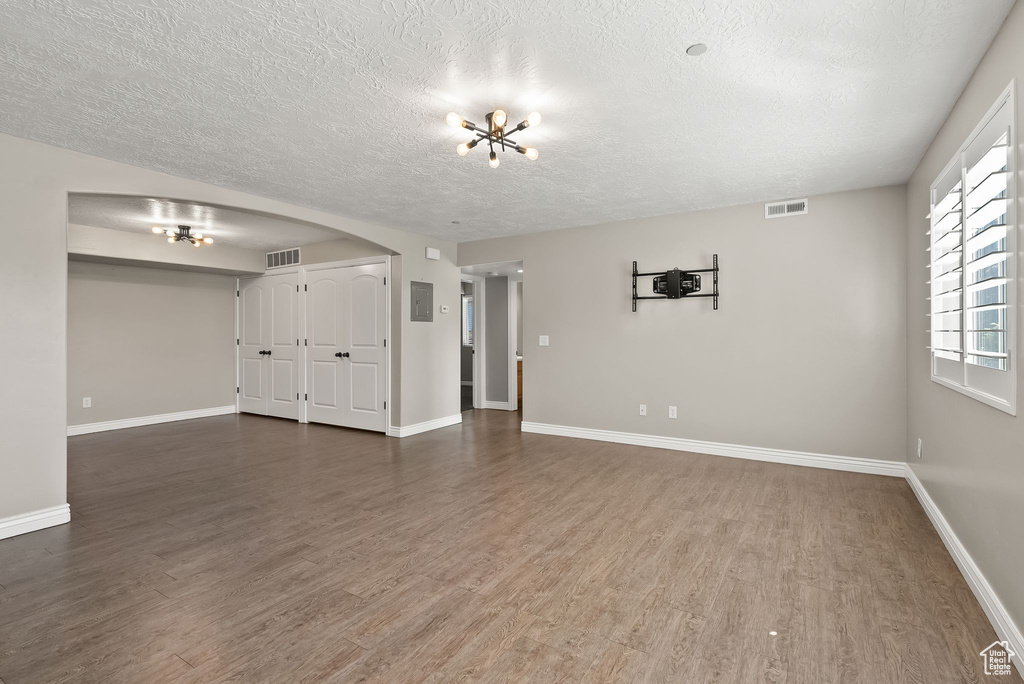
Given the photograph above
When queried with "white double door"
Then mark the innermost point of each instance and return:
(346, 350)
(269, 360)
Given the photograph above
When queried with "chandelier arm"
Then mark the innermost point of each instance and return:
(510, 143)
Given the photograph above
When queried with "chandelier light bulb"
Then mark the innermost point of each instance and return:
(171, 240)
(196, 243)
(208, 240)
(531, 153)
(494, 161)
(454, 119)
(169, 233)
(157, 229)
(499, 117)
(533, 119)
(462, 149)
(197, 236)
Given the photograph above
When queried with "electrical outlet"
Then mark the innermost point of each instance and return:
(672, 413)
(544, 340)
(920, 448)
(86, 402)
(445, 308)
(643, 409)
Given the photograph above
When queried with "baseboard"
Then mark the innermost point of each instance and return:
(409, 430)
(997, 614)
(800, 458)
(148, 420)
(36, 520)
(497, 405)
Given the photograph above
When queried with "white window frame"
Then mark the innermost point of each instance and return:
(974, 380)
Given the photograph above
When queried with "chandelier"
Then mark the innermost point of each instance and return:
(495, 134)
(183, 234)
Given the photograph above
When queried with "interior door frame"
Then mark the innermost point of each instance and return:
(479, 353)
(238, 333)
(513, 340)
(303, 270)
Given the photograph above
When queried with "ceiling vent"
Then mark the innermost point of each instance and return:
(286, 257)
(786, 208)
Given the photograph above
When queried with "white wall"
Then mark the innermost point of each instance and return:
(118, 246)
(806, 353)
(973, 465)
(35, 180)
(147, 341)
(496, 338)
(338, 250)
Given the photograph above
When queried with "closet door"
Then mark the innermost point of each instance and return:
(268, 352)
(324, 336)
(253, 376)
(346, 353)
(282, 362)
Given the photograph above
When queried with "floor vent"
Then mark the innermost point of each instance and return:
(786, 208)
(286, 257)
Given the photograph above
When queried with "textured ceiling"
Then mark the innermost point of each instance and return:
(340, 105)
(225, 226)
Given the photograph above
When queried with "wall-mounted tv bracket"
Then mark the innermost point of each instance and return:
(678, 284)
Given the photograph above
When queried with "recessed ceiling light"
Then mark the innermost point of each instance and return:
(773, 633)
(519, 271)
(696, 49)
(455, 222)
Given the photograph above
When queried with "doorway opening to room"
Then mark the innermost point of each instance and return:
(492, 339)
(216, 310)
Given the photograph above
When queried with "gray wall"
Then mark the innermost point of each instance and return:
(142, 249)
(973, 465)
(146, 341)
(467, 352)
(519, 317)
(338, 250)
(496, 338)
(807, 352)
(34, 183)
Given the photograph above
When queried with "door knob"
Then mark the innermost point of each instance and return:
(342, 355)
(263, 352)
(268, 352)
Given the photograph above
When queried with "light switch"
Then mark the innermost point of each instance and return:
(445, 308)
(86, 402)
(543, 340)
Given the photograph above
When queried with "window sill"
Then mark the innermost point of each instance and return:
(994, 402)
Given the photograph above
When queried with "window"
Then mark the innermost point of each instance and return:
(972, 269)
(467, 320)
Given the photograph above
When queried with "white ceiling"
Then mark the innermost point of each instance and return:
(340, 105)
(225, 226)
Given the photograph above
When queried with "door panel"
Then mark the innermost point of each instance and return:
(324, 386)
(283, 334)
(252, 380)
(345, 315)
(323, 325)
(364, 307)
(364, 387)
(268, 323)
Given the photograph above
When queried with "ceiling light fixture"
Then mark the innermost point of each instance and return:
(184, 234)
(697, 49)
(495, 134)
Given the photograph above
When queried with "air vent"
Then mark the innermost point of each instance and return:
(786, 208)
(286, 257)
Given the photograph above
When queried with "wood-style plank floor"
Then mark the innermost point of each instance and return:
(252, 549)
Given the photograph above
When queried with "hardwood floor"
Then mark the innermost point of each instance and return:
(249, 549)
